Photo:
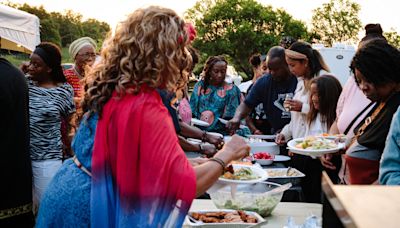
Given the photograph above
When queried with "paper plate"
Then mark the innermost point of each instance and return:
(256, 170)
(200, 123)
(261, 136)
(281, 158)
(312, 152)
(226, 121)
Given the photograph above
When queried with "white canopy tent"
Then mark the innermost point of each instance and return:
(19, 30)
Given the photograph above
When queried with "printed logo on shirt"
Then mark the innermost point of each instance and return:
(279, 104)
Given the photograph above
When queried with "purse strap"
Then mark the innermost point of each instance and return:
(356, 118)
(367, 122)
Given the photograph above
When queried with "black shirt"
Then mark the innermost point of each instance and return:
(15, 164)
(271, 94)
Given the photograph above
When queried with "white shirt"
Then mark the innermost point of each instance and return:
(298, 123)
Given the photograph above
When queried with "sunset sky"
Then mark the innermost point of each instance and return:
(385, 12)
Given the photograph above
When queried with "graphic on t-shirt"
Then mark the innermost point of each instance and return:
(279, 104)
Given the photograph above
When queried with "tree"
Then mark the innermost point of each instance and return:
(393, 37)
(337, 21)
(96, 29)
(239, 28)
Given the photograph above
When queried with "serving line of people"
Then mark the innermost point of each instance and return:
(127, 141)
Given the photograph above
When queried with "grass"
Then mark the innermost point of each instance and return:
(19, 58)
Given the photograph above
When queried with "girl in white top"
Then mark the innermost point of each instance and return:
(306, 63)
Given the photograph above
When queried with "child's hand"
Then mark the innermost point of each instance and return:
(326, 161)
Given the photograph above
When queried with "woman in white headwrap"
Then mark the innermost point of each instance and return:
(83, 52)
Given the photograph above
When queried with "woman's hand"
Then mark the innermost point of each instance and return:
(233, 125)
(326, 161)
(217, 141)
(294, 105)
(24, 67)
(208, 149)
(257, 132)
(235, 149)
(280, 139)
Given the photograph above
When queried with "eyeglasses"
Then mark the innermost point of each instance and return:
(88, 55)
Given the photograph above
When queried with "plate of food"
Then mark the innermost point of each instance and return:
(243, 174)
(284, 175)
(223, 218)
(314, 146)
(200, 123)
(268, 137)
(332, 136)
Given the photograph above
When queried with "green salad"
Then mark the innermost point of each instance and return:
(262, 205)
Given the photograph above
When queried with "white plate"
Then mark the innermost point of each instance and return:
(281, 173)
(261, 136)
(216, 134)
(200, 123)
(194, 141)
(256, 170)
(223, 225)
(309, 152)
(281, 158)
(226, 121)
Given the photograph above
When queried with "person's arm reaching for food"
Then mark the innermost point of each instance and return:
(208, 172)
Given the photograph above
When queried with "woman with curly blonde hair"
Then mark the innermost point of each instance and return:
(140, 175)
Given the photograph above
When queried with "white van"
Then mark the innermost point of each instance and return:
(338, 58)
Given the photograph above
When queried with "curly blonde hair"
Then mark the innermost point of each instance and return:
(149, 47)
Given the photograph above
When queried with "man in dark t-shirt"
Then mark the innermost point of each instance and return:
(15, 164)
(270, 90)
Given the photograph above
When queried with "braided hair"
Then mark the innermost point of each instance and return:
(206, 74)
(378, 61)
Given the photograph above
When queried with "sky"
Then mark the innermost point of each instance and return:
(385, 12)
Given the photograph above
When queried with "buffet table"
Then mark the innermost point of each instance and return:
(279, 217)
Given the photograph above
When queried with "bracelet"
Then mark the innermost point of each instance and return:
(219, 161)
(204, 136)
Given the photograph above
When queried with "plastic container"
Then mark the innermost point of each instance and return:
(248, 197)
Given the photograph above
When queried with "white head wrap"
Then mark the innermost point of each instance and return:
(76, 46)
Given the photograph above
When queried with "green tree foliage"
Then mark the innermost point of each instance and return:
(63, 28)
(239, 28)
(337, 21)
(393, 37)
(96, 29)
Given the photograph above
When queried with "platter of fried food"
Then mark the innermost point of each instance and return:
(223, 218)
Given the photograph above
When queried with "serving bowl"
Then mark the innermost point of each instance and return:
(256, 147)
(248, 197)
(264, 158)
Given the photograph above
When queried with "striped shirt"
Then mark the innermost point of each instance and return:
(47, 107)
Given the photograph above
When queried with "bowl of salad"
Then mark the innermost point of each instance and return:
(248, 197)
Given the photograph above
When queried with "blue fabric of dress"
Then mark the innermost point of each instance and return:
(214, 103)
(66, 202)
